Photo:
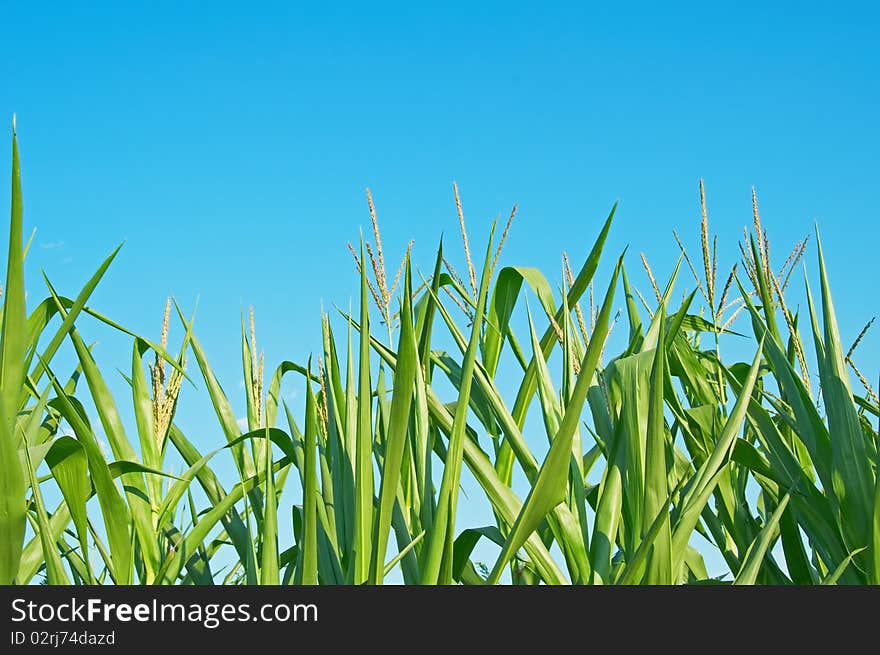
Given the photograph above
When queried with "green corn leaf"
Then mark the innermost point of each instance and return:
(707, 476)
(657, 472)
(404, 381)
(438, 563)
(69, 465)
(852, 476)
(311, 499)
(116, 514)
(269, 568)
(550, 487)
(12, 372)
(363, 447)
(55, 573)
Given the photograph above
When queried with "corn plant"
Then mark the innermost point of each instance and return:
(651, 457)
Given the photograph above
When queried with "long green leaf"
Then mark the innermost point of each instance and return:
(550, 487)
(404, 381)
(748, 574)
(438, 563)
(12, 372)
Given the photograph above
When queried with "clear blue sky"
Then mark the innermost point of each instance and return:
(230, 148)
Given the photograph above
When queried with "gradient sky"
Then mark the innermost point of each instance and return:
(230, 148)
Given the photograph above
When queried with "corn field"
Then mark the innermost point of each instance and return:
(651, 457)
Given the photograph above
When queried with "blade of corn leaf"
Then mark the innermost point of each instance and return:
(836, 574)
(504, 501)
(632, 313)
(311, 499)
(223, 409)
(550, 486)
(581, 282)
(172, 564)
(69, 465)
(636, 565)
(764, 293)
(133, 484)
(269, 570)
(273, 394)
(656, 471)
(706, 478)
(748, 574)
(198, 470)
(807, 424)
(403, 553)
(32, 554)
(425, 311)
(504, 298)
(55, 573)
(363, 450)
(875, 532)
(438, 562)
(653, 333)
(696, 323)
(852, 476)
(608, 512)
(232, 522)
(404, 380)
(50, 307)
(12, 373)
(628, 382)
(117, 517)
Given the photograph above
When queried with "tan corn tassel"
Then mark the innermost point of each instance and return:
(577, 306)
(704, 243)
(724, 293)
(256, 371)
(380, 268)
(650, 276)
(503, 238)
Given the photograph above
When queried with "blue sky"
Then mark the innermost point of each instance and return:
(230, 149)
